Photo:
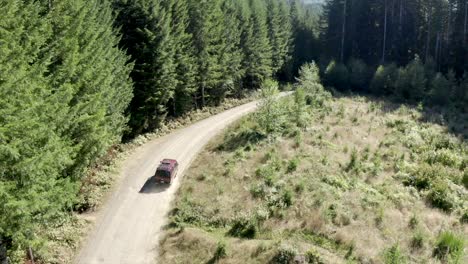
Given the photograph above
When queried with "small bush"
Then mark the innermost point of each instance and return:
(423, 176)
(417, 242)
(411, 81)
(287, 198)
(464, 218)
(220, 251)
(292, 165)
(337, 75)
(313, 257)
(300, 187)
(413, 222)
(384, 78)
(393, 255)
(244, 227)
(439, 197)
(359, 75)
(449, 246)
(353, 164)
(284, 255)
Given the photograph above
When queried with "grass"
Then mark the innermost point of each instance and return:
(334, 191)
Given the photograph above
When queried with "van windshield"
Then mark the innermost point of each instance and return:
(163, 173)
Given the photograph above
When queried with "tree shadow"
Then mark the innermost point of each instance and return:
(243, 138)
(153, 186)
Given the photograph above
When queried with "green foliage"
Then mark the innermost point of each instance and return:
(279, 33)
(417, 242)
(411, 81)
(337, 75)
(256, 46)
(64, 89)
(244, 227)
(383, 82)
(292, 165)
(449, 246)
(313, 257)
(440, 90)
(270, 113)
(284, 255)
(359, 76)
(440, 197)
(220, 251)
(393, 255)
(465, 178)
(299, 108)
(309, 82)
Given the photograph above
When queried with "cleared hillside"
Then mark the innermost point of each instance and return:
(362, 181)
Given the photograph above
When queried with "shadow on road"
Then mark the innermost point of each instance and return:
(152, 186)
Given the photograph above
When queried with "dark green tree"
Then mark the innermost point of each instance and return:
(257, 49)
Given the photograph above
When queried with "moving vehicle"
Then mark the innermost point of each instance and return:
(166, 171)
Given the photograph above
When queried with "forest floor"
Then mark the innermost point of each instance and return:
(366, 182)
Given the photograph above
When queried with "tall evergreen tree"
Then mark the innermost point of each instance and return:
(184, 57)
(279, 32)
(258, 60)
(146, 29)
(206, 25)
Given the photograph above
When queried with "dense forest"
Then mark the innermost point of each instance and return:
(78, 76)
(415, 50)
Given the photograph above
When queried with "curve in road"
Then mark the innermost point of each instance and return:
(129, 226)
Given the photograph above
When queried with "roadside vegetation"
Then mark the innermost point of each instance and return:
(324, 179)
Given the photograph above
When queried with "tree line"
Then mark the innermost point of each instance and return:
(75, 76)
(422, 44)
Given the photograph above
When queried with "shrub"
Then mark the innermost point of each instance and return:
(440, 90)
(417, 242)
(292, 165)
(449, 246)
(284, 255)
(313, 257)
(439, 196)
(422, 176)
(220, 251)
(287, 197)
(337, 75)
(411, 81)
(413, 222)
(244, 227)
(445, 157)
(384, 78)
(270, 114)
(464, 217)
(393, 255)
(353, 164)
(358, 74)
(309, 81)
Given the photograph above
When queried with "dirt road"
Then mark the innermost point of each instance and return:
(129, 227)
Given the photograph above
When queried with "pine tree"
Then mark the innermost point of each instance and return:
(146, 29)
(32, 153)
(257, 48)
(232, 54)
(88, 67)
(184, 58)
(206, 26)
(279, 32)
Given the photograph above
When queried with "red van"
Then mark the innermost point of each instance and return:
(166, 171)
